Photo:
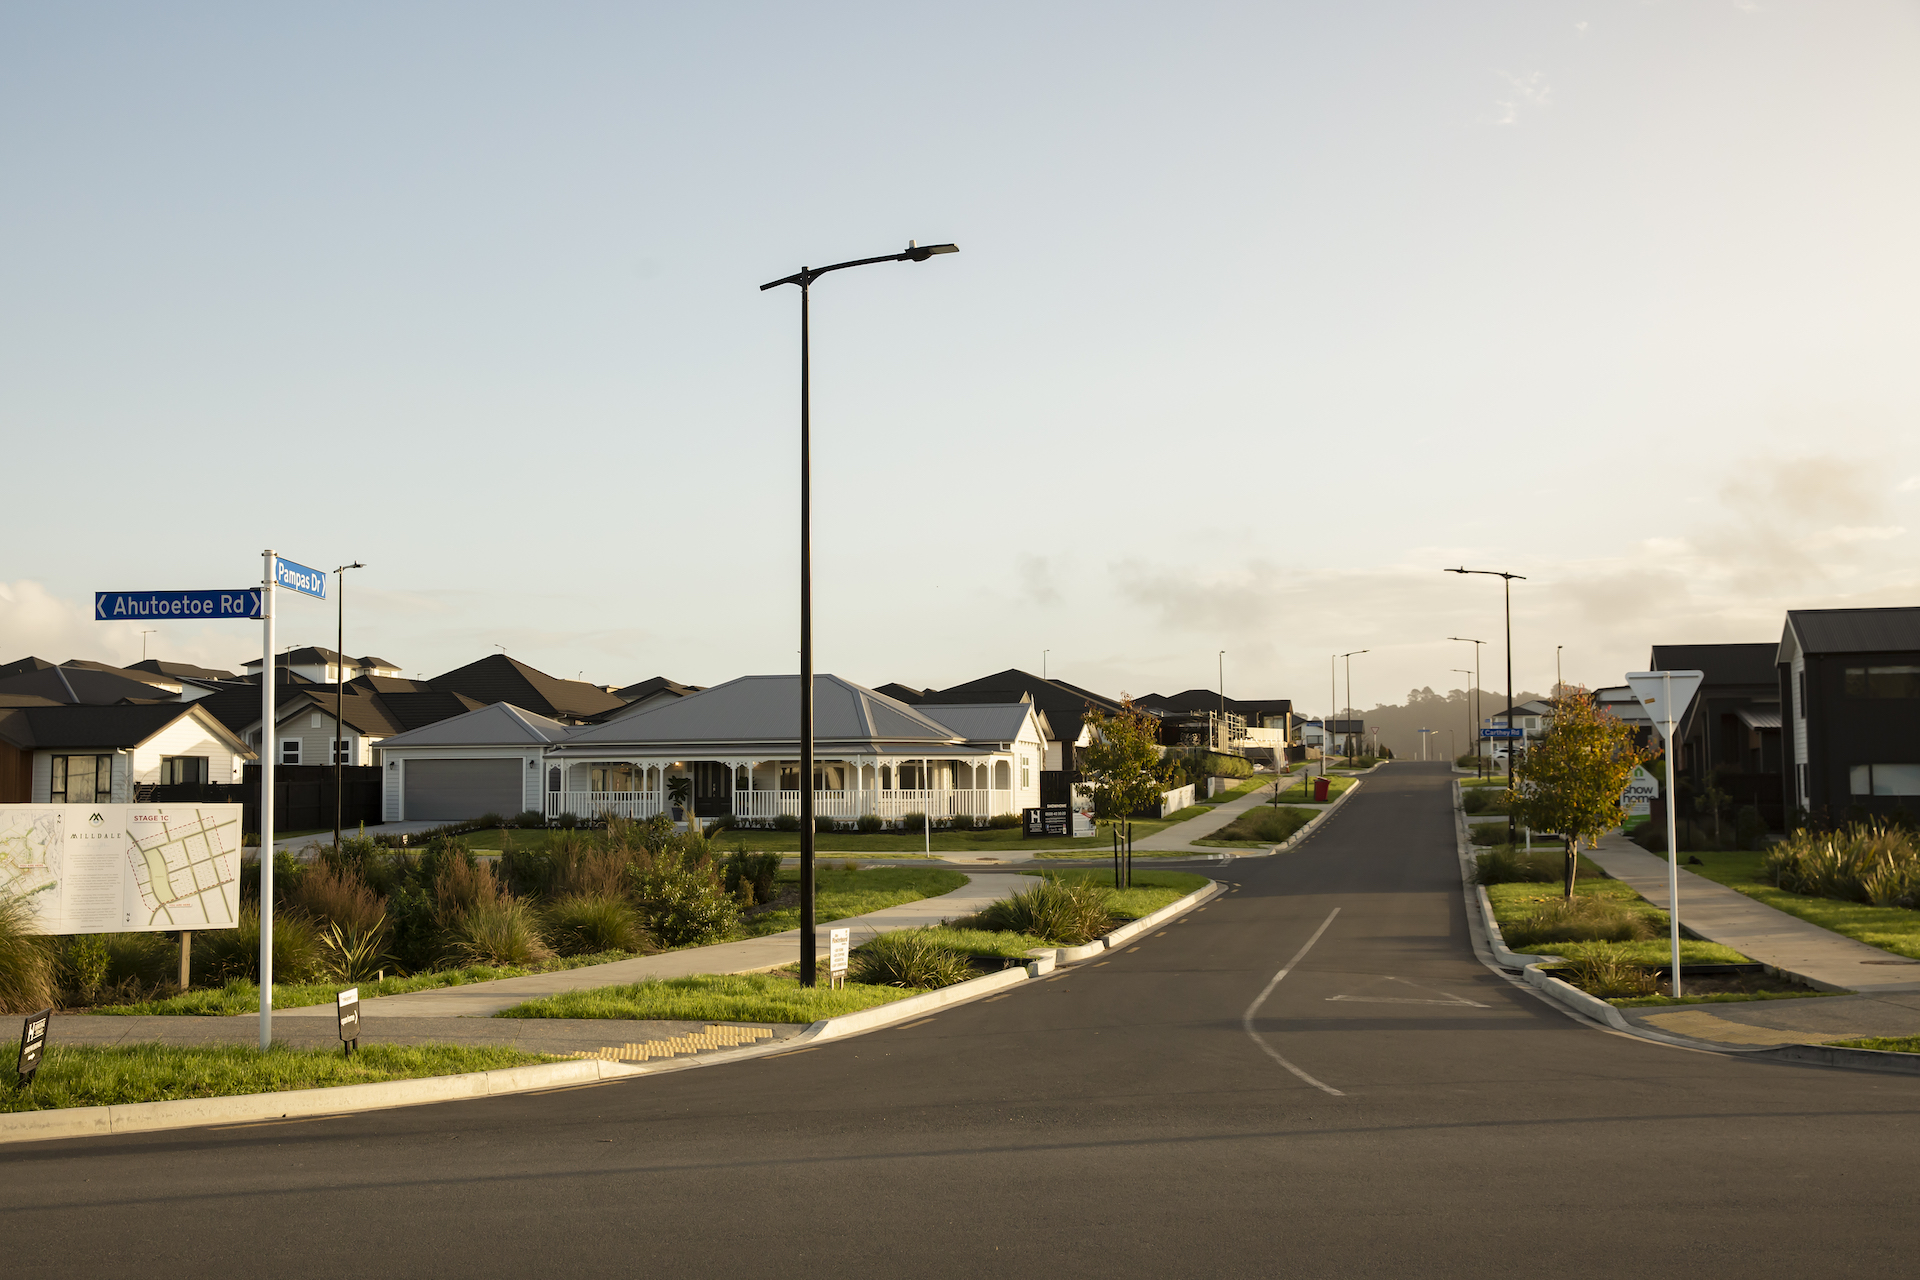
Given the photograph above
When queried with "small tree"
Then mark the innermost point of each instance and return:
(1122, 761)
(1571, 779)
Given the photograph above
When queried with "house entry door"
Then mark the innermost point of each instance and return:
(712, 789)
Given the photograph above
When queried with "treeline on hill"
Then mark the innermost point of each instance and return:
(626, 888)
(1400, 725)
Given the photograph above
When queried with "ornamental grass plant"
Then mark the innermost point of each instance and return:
(26, 960)
(1581, 918)
(908, 958)
(1868, 862)
(1066, 913)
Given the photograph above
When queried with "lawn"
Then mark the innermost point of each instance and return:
(1262, 825)
(1151, 890)
(711, 997)
(1886, 1044)
(1512, 902)
(1297, 795)
(839, 893)
(243, 996)
(113, 1075)
(1894, 929)
(1246, 786)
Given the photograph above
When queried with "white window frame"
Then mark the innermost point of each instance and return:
(290, 750)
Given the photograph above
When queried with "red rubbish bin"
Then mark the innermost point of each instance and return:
(1320, 789)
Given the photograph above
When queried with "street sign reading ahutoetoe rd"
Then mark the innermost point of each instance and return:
(112, 606)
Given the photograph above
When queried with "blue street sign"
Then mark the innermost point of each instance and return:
(1503, 732)
(114, 606)
(297, 577)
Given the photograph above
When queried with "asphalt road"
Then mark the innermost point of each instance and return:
(1117, 1120)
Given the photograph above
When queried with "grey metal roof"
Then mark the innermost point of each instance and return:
(983, 721)
(1755, 718)
(500, 724)
(1722, 663)
(1893, 630)
(764, 711)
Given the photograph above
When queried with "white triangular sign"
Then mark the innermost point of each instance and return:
(1664, 695)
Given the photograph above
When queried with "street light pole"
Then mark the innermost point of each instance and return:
(1223, 699)
(1348, 657)
(1470, 710)
(1506, 591)
(804, 278)
(1558, 679)
(339, 693)
(1478, 710)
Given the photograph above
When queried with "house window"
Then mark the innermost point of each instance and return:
(1884, 779)
(82, 780)
(553, 784)
(181, 771)
(1026, 776)
(342, 749)
(290, 751)
(1883, 682)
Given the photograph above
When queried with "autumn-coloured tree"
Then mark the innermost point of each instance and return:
(1570, 780)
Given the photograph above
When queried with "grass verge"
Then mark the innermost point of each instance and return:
(242, 996)
(1262, 825)
(1722, 997)
(113, 1075)
(1893, 929)
(1336, 783)
(1513, 903)
(1886, 1044)
(839, 893)
(711, 997)
(1151, 890)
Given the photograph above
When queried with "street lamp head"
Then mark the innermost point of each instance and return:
(920, 253)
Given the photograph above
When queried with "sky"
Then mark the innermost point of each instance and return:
(1264, 314)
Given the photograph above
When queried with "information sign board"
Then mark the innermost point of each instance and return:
(116, 606)
(1046, 820)
(33, 1043)
(838, 943)
(347, 1008)
(297, 577)
(122, 868)
(1642, 789)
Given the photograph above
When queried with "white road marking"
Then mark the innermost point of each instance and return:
(1447, 997)
(1246, 1019)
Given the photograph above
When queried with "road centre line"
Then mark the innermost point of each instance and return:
(1246, 1019)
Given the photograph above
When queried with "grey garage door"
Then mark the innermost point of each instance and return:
(446, 790)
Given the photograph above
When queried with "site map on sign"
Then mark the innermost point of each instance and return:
(123, 868)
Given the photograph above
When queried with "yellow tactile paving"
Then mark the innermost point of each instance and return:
(1702, 1025)
(722, 1037)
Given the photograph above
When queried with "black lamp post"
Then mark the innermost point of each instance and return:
(1506, 591)
(805, 278)
(1479, 771)
(339, 692)
(1348, 658)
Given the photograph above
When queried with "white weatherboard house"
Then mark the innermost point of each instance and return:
(484, 761)
(738, 745)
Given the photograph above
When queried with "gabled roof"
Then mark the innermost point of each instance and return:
(83, 686)
(902, 693)
(1723, 663)
(364, 713)
(390, 684)
(20, 666)
(429, 706)
(179, 670)
(498, 678)
(763, 712)
(237, 704)
(658, 684)
(1065, 704)
(106, 728)
(499, 724)
(1817, 631)
(984, 721)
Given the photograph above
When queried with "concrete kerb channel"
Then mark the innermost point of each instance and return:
(1528, 970)
(297, 1104)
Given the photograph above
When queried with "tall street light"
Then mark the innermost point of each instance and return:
(1470, 710)
(805, 278)
(339, 693)
(1478, 710)
(1506, 591)
(1349, 661)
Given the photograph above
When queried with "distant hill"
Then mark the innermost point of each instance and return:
(1400, 724)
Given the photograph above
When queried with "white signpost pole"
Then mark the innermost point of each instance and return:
(267, 749)
(1673, 837)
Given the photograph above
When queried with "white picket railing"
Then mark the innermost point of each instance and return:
(592, 804)
(845, 806)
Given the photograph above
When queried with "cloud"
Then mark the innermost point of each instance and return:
(1531, 89)
(1910, 485)
(1038, 584)
(1581, 27)
(35, 622)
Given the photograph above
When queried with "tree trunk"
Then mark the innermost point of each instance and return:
(1573, 862)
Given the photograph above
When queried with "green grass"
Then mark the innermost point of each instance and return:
(1246, 786)
(1151, 890)
(1886, 1044)
(1511, 902)
(1893, 929)
(1262, 825)
(113, 1075)
(711, 997)
(1721, 997)
(1336, 784)
(839, 893)
(983, 942)
(242, 996)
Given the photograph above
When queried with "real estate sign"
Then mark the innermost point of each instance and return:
(123, 868)
(1642, 790)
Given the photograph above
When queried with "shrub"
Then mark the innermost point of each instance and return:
(142, 962)
(354, 955)
(1749, 828)
(1577, 919)
(566, 822)
(529, 819)
(527, 871)
(488, 821)
(870, 822)
(1065, 912)
(602, 871)
(235, 953)
(327, 896)
(786, 822)
(502, 931)
(1871, 862)
(1269, 823)
(1467, 760)
(1608, 977)
(1002, 821)
(1508, 865)
(84, 961)
(757, 871)
(1478, 800)
(908, 958)
(681, 900)
(582, 924)
(27, 971)
(824, 825)
(911, 822)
